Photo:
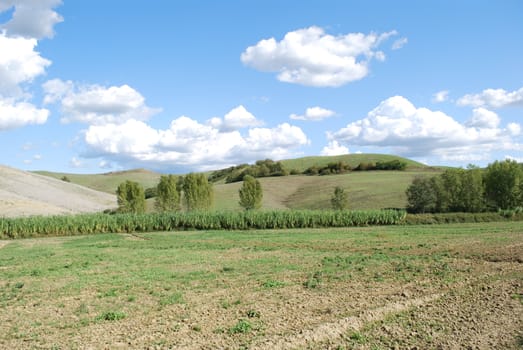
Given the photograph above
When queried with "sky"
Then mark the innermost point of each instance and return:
(195, 85)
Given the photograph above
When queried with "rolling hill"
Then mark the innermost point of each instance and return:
(24, 194)
(366, 189)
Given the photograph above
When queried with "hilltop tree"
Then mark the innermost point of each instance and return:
(198, 193)
(339, 199)
(131, 197)
(251, 193)
(168, 196)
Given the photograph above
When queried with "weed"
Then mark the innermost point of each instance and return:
(358, 338)
(273, 284)
(253, 313)
(314, 280)
(227, 269)
(176, 298)
(196, 328)
(111, 316)
(242, 326)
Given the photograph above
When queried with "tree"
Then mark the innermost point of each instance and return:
(131, 197)
(198, 193)
(503, 184)
(167, 195)
(421, 195)
(339, 199)
(251, 193)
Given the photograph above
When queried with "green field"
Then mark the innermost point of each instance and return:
(366, 189)
(437, 286)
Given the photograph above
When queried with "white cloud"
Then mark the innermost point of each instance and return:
(483, 118)
(17, 114)
(419, 132)
(311, 57)
(514, 129)
(188, 143)
(31, 18)
(237, 118)
(95, 104)
(333, 148)
(440, 96)
(19, 63)
(314, 114)
(493, 98)
(398, 44)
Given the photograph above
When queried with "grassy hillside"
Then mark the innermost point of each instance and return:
(353, 160)
(366, 190)
(108, 182)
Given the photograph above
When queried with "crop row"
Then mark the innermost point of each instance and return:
(128, 223)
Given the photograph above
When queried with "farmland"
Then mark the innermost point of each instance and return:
(434, 286)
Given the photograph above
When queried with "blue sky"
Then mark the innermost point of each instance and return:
(177, 86)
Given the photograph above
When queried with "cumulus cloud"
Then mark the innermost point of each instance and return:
(493, 98)
(419, 132)
(333, 148)
(19, 63)
(237, 118)
(189, 143)
(314, 58)
(440, 96)
(95, 104)
(314, 114)
(31, 18)
(17, 114)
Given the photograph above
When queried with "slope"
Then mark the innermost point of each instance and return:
(24, 194)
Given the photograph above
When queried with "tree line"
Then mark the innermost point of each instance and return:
(194, 191)
(498, 187)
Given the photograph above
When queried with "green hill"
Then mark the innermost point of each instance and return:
(301, 164)
(108, 182)
(366, 189)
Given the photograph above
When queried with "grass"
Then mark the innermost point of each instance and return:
(366, 190)
(353, 160)
(108, 182)
(205, 281)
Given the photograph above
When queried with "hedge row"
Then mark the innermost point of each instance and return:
(128, 223)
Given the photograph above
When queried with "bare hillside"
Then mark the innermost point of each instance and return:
(23, 194)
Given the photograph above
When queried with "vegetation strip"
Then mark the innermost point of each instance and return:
(129, 223)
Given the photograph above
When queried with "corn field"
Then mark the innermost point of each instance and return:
(128, 223)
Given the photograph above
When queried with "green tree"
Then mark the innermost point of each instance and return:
(422, 195)
(503, 184)
(251, 193)
(339, 199)
(167, 195)
(198, 193)
(473, 191)
(131, 197)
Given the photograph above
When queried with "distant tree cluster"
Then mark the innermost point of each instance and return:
(342, 167)
(499, 186)
(193, 190)
(262, 168)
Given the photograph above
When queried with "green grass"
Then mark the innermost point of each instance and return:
(108, 182)
(67, 284)
(301, 164)
(365, 189)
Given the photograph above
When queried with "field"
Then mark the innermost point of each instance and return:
(434, 286)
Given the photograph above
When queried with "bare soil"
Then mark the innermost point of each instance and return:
(24, 194)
